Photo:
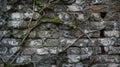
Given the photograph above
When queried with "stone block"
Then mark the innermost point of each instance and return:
(4, 33)
(90, 50)
(51, 42)
(13, 50)
(34, 43)
(23, 59)
(17, 16)
(66, 41)
(48, 34)
(75, 7)
(29, 51)
(83, 42)
(42, 51)
(17, 24)
(112, 50)
(10, 41)
(105, 41)
(113, 33)
(107, 58)
(73, 50)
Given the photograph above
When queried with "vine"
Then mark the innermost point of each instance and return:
(40, 20)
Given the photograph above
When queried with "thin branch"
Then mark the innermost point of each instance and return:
(38, 22)
(76, 41)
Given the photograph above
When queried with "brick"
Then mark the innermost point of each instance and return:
(67, 34)
(17, 16)
(74, 7)
(99, 65)
(99, 8)
(17, 24)
(48, 34)
(42, 51)
(23, 59)
(96, 16)
(107, 58)
(90, 50)
(105, 41)
(3, 50)
(29, 51)
(112, 50)
(13, 50)
(8, 41)
(95, 34)
(59, 8)
(5, 33)
(111, 33)
(97, 25)
(84, 42)
(106, 65)
(77, 58)
(73, 50)
(34, 43)
(36, 58)
(64, 16)
(66, 41)
(51, 42)
(72, 65)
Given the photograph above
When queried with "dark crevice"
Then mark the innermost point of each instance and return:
(103, 14)
(102, 33)
(102, 50)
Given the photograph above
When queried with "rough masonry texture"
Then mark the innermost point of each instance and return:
(44, 45)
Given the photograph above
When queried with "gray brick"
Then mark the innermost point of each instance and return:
(48, 34)
(59, 8)
(84, 50)
(3, 50)
(73, 50)
(17, 16)
(36, 58)
(23, 59)
(90, 50)
(114, 33)
(34, 43)
(42, 51)
(66, 41)
(105, 41)
(8, 41)
(108, 58)
(74, 7)
(51, 42)
(85, 42)
(13, 50)
(95, 34)
(112, 50)
(17, 24)
(5, 33)
(29, 51)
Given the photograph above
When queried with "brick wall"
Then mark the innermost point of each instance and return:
(45, 45)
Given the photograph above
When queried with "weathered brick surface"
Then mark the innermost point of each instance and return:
(45, 45)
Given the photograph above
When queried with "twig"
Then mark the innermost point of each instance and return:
(33, 11)
(2, 59)
(76, 41)
(85, 34)
(16, 56)
(38, 22)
